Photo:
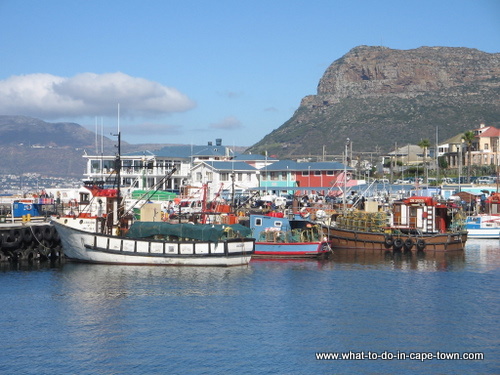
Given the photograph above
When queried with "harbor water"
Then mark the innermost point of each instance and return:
(270, 317)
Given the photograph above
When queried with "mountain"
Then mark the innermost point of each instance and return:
(30, 145)
(28, 131)
(377, 96)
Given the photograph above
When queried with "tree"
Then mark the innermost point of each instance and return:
(468, 138)
(443, 163)
(424, 144)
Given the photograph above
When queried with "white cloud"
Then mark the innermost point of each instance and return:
(88, 94)
(229, 123)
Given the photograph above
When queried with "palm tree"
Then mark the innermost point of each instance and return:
(424, 144)
(468, 138)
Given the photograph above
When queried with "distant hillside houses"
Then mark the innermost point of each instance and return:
(484, 150)
(217, 167)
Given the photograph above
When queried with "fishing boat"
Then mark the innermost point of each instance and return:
(413, 224)
(483, 226)
(100, 230)
(157, 243)
(281, 236)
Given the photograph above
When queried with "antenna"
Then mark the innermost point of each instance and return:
(102, 136)
(96, 137)
(102, 150)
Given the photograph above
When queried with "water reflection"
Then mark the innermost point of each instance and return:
(31, 265)
(108, 305)
(425, 261)
(479, 255)
(296, 264)
(483, 255)
(129, 281)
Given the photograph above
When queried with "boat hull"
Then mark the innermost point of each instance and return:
(82, 246)
(484, 233)
(292, 250)
(352, 239)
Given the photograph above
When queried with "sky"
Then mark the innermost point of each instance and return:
(192, 71)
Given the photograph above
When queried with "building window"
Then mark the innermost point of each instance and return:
(224, 176)
(198, 176)
(330, 173)
(305, 173)
(317, 173)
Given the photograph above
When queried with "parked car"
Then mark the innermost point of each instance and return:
(485, 180)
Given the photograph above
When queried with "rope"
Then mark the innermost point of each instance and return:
(37, 240)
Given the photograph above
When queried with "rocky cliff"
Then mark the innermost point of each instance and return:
(377, 96)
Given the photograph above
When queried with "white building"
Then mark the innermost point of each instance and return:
(224, 177)
(148, 169)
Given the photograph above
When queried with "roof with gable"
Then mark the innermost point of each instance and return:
(490, 132)
(456, 139)
(229, 165)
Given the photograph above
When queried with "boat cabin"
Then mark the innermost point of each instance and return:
(422, 214)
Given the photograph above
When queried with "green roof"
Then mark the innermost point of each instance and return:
(154, 195)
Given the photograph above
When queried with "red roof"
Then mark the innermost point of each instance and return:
(490, 132)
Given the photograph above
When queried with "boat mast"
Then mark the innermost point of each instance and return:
(118, 166)
(345, 175)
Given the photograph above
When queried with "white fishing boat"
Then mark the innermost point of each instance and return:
(156, 243)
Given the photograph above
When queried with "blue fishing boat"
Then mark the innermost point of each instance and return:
(288, 236)
(483, 226)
